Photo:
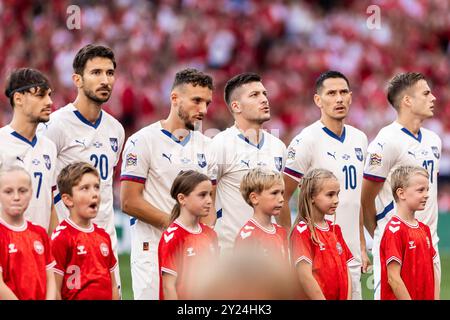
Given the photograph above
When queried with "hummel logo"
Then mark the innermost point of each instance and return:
(12, 248)
(302, 229)
(167, 157)
(170, 230)
(245, 234)
(332, 155)
(57, 231)
(81, 250)
(190, 252)
(80, 142)
(394, 229)
(395, 222)
(168, 237)
(20, 159)
(246, 163)
(381, 145)
(249, 228)
(412, 245)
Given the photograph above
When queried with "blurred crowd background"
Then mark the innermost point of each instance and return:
(288, 42)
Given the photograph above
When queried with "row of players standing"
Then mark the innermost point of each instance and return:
(154, 156)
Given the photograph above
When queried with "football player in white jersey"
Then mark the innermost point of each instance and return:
(244, 146)
(330, 143)
(152, 159)
(82, 131)
(29, 92)
(403, 142)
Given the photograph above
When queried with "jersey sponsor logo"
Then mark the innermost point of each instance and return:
(436, 152)
(114, 144)
(359, 154)
(38, 247)
(167, 156)
(190, 252)
(301, 229)
(411, 245)
(291, 153)
(80, 142)
(104, 249)
(57, 231)
(278, 163)
(171, 229)
(201, 159)
(332, 154)
(339, 248)
(168, 237)
(345, 157)
(375, 159)
(81, 250)
(35, 162)
(246, 162)
(12, 248)
(97, 144)
(394, 229)
(48, 162)
(131, 159)
(245, 235)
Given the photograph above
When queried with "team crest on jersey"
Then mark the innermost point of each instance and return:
(359, 154)
(278, 163)
(436, 152)
(201, 160)
(131, 160)
(114, 144)
(339, 248)
(375, 159)
(35, 162)
(48, 162)
(38, 247)
(104, 249)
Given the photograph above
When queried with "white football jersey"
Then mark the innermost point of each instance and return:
(154, 157)
(395, 146)
(318, 147)
(38, 157)
(99, 144)
(235, 156)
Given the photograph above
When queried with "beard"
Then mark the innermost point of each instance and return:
(184, 116)
(91, 96)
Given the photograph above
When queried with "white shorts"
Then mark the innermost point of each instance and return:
(355, 274)
(144, 261)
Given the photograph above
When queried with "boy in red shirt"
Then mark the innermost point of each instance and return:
(85, 262)
(407, 255)
(25, 256)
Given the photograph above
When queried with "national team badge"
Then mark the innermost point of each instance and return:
(278, 163)
(375, 159)
(48, 162)
(339, 248)
(359, 154)
(436, 152)
(201, 160)
(104, 249)
(38, 247)
(114, 144)
(131, 160)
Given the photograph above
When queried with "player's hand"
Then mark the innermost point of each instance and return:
(366, 263)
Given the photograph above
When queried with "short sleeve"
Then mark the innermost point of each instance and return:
(433, 252)
(301, 244)
(135, 160)
(112, 261)
(391, 244)
(49, 259)
(298, 159)
(60, 250)
(121, 142)
(346, 251)
(168, 253)
(380, 159)
(212, 162)
(218, 158)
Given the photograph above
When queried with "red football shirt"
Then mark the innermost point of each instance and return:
(181, 251)
(85, 259)
(271, 242)
(25, 256)
(329, 260)
(409, 245)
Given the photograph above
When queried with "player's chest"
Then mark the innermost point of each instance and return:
(419, 154)
(250, 158)
(337, 156)
(32, 159)
(20, 248)
(417, 242)
(90, 249)
(195, 246)
(95, 143)
(168, 158)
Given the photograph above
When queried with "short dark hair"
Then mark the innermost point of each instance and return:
(399, 83)
(327, 75)
(72, 174)
(194, 77)
(238, 81)
(22, 80)
(89, 52)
